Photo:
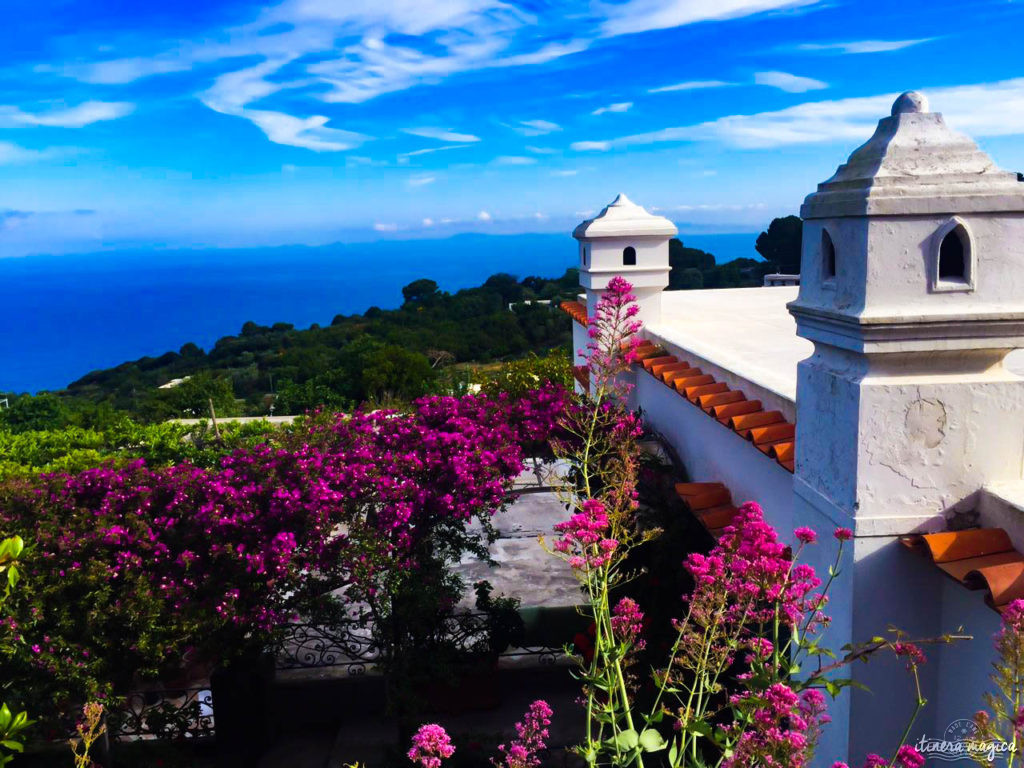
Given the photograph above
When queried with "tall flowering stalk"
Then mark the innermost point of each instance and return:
(1005, 723)
(743, 682)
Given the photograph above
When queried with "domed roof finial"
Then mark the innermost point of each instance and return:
(910, 101)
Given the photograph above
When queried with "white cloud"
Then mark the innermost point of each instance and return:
(645, 15)
(863, 46)
(690, 85)
(441, 134)
(535, 127)
(11, 154)
(622, 106)
(231, 93)
(540, 150)
(514, 160)
(86, 113)
(385, 227)
(421, 181)
(986, 109)
(483, 216)
(404, 157)
(789, 83)
(121, 71)
(565, 172)
(591, 146)
(428, 222)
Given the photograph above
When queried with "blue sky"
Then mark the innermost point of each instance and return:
(228, 123)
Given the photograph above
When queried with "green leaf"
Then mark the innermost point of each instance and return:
(627, 740)
(673, 753)
(699, 727)
(650, 741)
(12, 745)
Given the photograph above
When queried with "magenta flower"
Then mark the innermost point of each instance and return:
(909, 757)
(843, 534)
(806, 535)
(531, 735)
(430, 746)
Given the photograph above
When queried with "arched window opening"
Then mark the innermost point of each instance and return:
(953, 256)
(629, 256)
(828, 255)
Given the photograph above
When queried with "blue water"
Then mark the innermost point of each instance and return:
(63, 316)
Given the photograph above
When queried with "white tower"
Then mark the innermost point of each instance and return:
(626, 240)
(912, 290)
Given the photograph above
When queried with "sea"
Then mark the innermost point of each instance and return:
(64, 316)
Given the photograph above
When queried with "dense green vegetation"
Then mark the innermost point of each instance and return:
(380, 356)
(433, 343)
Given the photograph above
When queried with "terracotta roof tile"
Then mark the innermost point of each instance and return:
(979, 558)
(716, 388)
(659, 370)
(725, 412)
(707, 402)
(747, 421)
(717, 518)
(681, 373)
(576, 310)
(773, 433)
(582, 374)
(645, 351)
(650, 362)
(768, 430)
(785, 451)
(692, 381)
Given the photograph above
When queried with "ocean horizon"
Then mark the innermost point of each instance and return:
(64, 316)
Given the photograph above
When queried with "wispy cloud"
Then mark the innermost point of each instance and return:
(79, 116)
(13, 154)
(646, 15)
(565, 172)
(540, 150)
(421, 181)
(441, 134)
(986, 109)
(789, 83)
(535, 127)
(484, 216)
(514, 160)
(384, 226)
(232, 93)
(404, 157)
(622, 106)
(863, 46)
(690, 85)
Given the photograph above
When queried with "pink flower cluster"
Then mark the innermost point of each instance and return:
(754, 568)
(613, 333)
(628, 623)
(584, 539)
(530, 741)
(783, 728)
(430, 745)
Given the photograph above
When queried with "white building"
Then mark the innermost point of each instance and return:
(879, 395)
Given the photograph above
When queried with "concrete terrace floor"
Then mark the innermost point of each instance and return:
(747, 331)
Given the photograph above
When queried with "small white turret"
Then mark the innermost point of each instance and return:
(626, 240)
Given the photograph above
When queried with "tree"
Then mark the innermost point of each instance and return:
(782, 243)
(680, 257)
(506, 285)
(420, 291)
(34, 412)
(690, 279)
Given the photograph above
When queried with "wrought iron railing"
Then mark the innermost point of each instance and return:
(163, 714)
(353, 648)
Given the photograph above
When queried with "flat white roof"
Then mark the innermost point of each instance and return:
(747, 331)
